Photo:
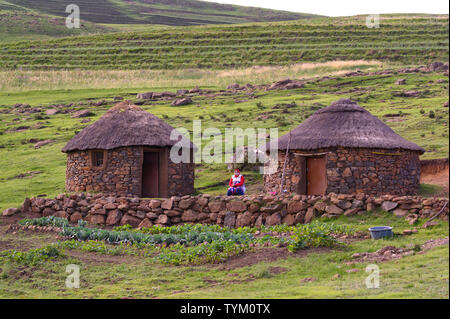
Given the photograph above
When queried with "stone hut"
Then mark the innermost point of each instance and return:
(345, 150)
(126, 152)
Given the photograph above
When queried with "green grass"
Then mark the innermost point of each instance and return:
(400, 39)
(417, 276)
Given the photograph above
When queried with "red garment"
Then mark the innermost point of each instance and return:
(238, 180)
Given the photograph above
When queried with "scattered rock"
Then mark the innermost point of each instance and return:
(82, 113)
(182, 101)
(10, 211)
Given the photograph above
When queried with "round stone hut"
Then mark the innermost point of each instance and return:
(345, 150)
(126, 152)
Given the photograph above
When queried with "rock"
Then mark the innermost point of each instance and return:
(216, 207)
(97, 219)
(145, 223)
(274, 219)
(296, 206)
(10, 211)
(320, 206)
(185, 203)
(61, 214)
(237, 206)
(110, 206)
(129, 220)
(154, 204)
(167, 204)
(310, 214)
(75, 217)
(430, 224)
(82, 113)
(144, 96)
(253, 208)
(334, 210)
(230, 219)
(52, 111)
(42, 143)
(445, 104)
(243, 220)
(189, 216)
(351, 211)
(48, 211)
(388, 205)
(400, 82)
(289, 220)
(162, 219)
(114, 217)
(26, 206)
(336, 276)
(309, 279)
(357, 204)
(407, 232)
(182, 101)
(400, 212)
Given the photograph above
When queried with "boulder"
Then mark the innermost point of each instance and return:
(237, 206)
(334, 210)
(182, 101)
(296, 206)
(274, 219)
(97, 219)
(82, 113)
(145, 223)
(189, 216)
(289, 220)
(216, 206)
(167, 204)
(75, 217)
(388, 206)
(10, 211)
(400, 212)
(114, 217)
(310, 214)
(144, 96)
(230, 219)
(185, 203)
(130, 220)
(244, 219)
(162, 219)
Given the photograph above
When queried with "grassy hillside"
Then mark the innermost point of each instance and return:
(404, 39)
(166, 12)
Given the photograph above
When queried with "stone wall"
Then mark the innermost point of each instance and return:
(350, 171)
(253, 210)
(121, 173)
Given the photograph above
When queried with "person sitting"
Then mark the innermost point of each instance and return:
(236, 184)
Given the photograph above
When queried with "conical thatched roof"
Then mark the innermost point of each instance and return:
(344, 123)
(124, 124)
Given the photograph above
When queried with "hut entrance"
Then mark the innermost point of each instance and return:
(150, 174)
(316, 182)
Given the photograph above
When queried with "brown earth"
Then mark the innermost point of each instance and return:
(267, 254)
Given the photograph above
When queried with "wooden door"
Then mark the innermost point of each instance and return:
(316, 176)
(150, 174)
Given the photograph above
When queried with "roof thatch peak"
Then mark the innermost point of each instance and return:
(344, 124)
(124, 124)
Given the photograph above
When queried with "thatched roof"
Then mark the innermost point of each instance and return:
(124, 124)
(344, 123)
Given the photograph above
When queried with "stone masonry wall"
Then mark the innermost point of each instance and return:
(239, 211)
(349, 171)
(122, 174)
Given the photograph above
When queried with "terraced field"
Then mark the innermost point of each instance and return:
(406, 40)
(166, 12)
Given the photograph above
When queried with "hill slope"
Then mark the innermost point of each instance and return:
(404, 39)
(165, 12)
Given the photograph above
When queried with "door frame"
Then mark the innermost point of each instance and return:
(163, 176)
(302, 186)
